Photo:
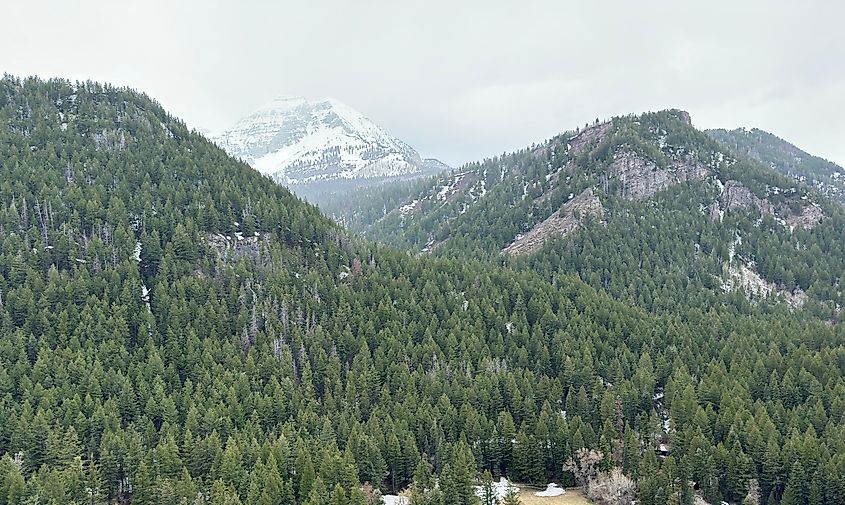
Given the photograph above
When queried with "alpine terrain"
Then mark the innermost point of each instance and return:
(319, 147)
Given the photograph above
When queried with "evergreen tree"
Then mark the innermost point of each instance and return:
(511, 497)
(488, 490)
(153, 351)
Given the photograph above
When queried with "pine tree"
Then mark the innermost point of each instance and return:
(93, 481)
(372, 467)
(449, 486)
(182, 244)
(221, 494)
(318, 495)
(507, 433)
(458, 477)
(488, 490)
(423, 476)
(143, 486)
(511, 497)
(13, 485)
(393, 460)
(338, 496)
(815, 493)
(231, 466)
(794, 492)
(305, 474)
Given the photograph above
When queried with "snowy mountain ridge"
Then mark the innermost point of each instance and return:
(321, 145)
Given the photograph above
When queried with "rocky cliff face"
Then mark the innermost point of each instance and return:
(641, 178)
(588, 137)
(576, 144)
(735, 195)
(742, 276)
(560, 223)
(807, 218)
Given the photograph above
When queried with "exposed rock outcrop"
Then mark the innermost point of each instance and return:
(560, 223)
(588, 137)
(237, 246)
(110, 140)
(735, 195)
(684, 116)
(744, 277)
(810, 216)
(576, 145)
(641, 177)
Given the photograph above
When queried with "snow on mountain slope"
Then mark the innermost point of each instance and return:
(324, 144)
(780, 155)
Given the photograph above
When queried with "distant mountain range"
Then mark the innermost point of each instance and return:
(320, 147)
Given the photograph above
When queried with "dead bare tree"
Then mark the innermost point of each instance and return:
(612, 488)
(584, 465)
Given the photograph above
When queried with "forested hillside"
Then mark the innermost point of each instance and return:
(645, 207)
(827, 177)
(176, 328)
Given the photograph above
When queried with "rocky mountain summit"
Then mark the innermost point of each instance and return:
(553, 186)
(321, 146)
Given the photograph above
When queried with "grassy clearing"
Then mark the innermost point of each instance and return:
(572, 496)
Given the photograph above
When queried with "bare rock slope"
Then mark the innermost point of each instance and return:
(560, 223)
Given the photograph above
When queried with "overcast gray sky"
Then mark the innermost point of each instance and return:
(458, 80)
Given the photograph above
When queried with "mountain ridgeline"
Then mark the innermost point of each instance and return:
(826, 177)
(176, 328)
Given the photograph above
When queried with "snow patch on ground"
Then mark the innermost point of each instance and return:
(444, 190)
(145, 295)
(392, 499)
(448, 189)
(551, 490)
(405, 209)
(737, 241)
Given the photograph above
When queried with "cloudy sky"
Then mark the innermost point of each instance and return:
(459, 80)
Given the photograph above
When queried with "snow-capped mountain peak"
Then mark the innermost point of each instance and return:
(321, 145)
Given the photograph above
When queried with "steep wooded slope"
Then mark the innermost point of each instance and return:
(176, 328)
(826, 177)
(638, 200)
